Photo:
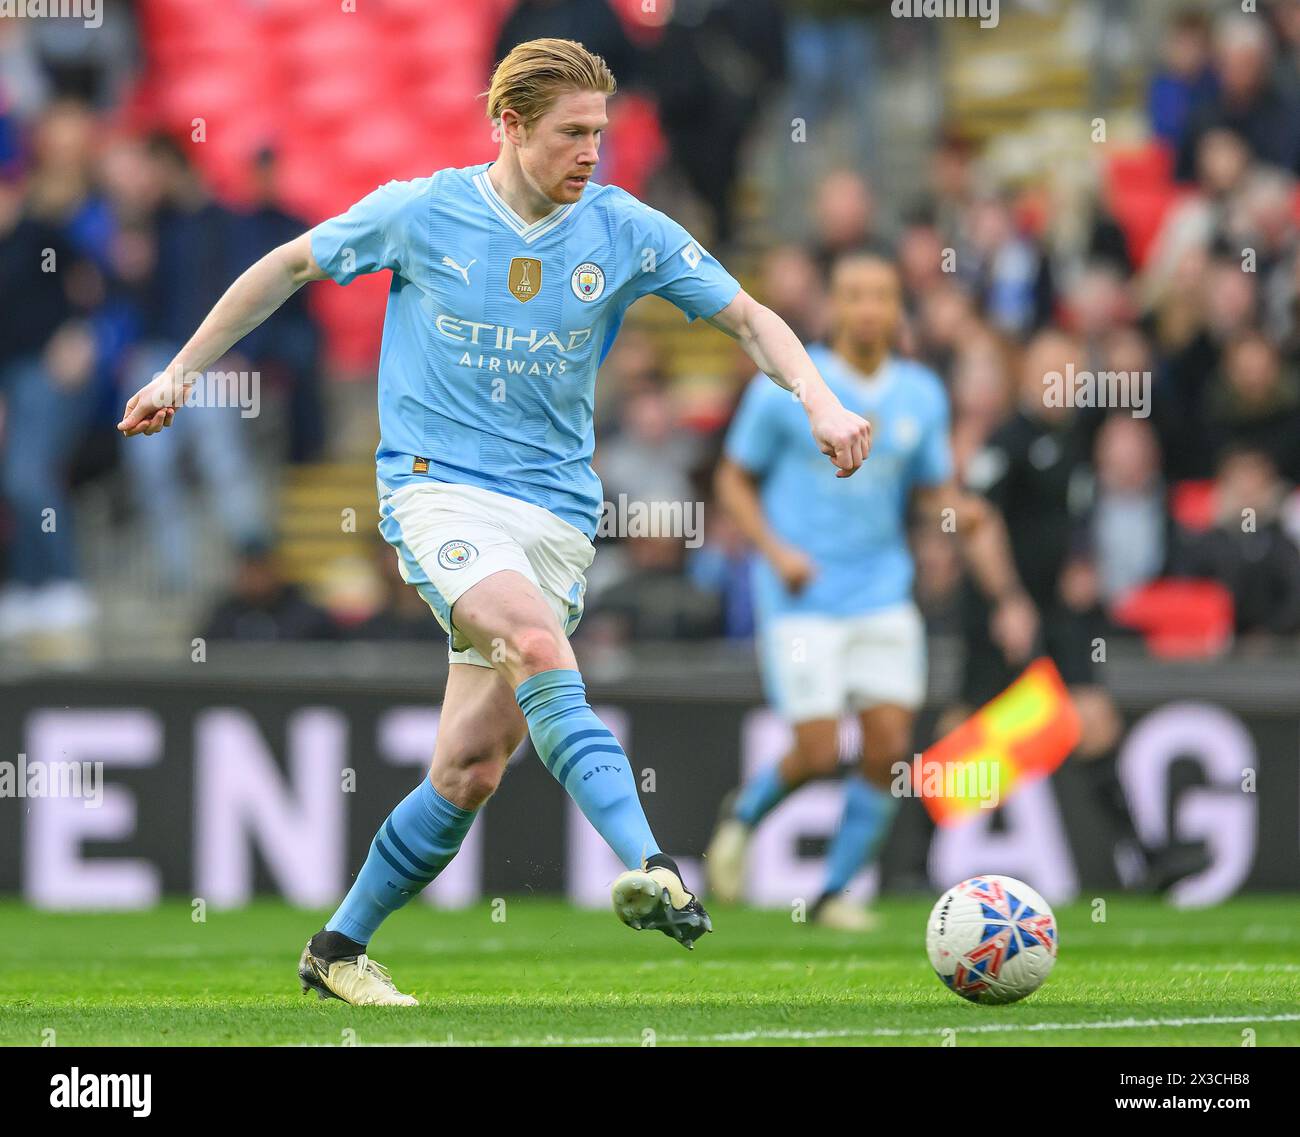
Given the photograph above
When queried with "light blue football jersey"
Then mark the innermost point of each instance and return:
(495, 328)
(854, 529)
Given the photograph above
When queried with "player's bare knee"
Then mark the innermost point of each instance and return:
(480, 779)
(532, 650)
(882, 767)
(817, 761)
(468, 781)
(879, 763)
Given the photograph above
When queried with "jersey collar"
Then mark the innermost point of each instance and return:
(528, 233)
(872, 386)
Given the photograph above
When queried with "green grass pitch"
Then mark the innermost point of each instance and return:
(548, 974)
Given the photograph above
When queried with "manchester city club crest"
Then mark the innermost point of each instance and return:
(456, 554)
(588, 281)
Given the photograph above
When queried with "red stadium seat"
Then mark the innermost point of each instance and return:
(1180, 619)
(1140, 191)
(1192, 504)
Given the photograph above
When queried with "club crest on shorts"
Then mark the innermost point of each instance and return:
(525, 279)
(456, 554)
(588, 281)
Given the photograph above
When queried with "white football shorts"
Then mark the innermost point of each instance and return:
(820, 667)
(449, 537)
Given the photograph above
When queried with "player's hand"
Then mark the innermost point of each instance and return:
(153, 407)
(794, 568)
(1014, 627)
(843, 437)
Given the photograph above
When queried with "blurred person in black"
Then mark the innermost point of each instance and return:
(1249, 100)
(194, 242)
(1254, 401)
(289, 343)
(1210, 304)
(1202, 218)
(717, 62)
(47, 360)
(1248, 550)
(592, 23)
(1035, 471)
(263, 607)
(654, 600)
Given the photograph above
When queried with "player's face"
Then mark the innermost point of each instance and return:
(559, 152)
(866, 304)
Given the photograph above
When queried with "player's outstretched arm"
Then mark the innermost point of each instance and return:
(735, 489)
(257, 293)
(767, 339)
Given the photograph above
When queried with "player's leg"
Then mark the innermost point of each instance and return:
(509, 621)
(886, 671)
(801, 659)
(1068, 639)
(479, 728)
(814, 753)
(869, 810)
(1141, 866)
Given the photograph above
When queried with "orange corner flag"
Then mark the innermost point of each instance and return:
(1024, 733)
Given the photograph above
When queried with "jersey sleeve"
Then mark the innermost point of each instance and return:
(754, 438)
(676, 267)
(933, 463)
(371, 236)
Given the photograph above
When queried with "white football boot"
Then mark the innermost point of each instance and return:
(358, 980)
(844, 915)
(726, 858)
(647, 898)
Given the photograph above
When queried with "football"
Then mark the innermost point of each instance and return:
(992, 939)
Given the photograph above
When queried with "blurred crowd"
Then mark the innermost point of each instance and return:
(1180, 514)
(112, 248)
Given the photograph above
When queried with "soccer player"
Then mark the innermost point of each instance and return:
(510, 281)
(838, 630)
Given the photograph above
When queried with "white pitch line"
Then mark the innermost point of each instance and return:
(891, 1032)
(878, 1032)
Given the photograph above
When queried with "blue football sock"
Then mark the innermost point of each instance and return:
(760, 795)
(867, 814)
(411, 848)
(585, 758)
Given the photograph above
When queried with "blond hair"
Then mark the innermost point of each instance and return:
(535, 73)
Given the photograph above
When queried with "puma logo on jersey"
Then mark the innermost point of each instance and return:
(463, 271)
